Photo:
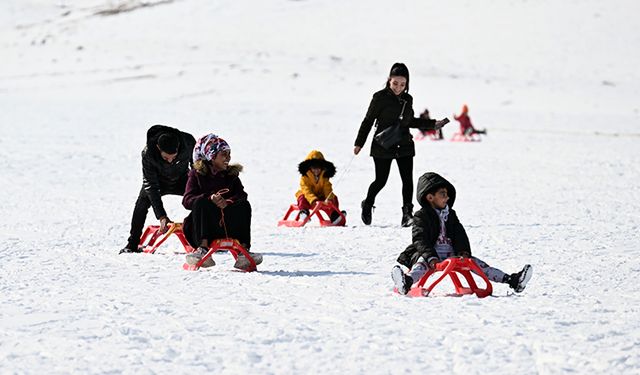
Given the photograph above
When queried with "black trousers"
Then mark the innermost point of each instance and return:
(141, 210)
(204, 222)
(383, 167)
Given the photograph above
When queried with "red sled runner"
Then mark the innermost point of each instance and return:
(156, 238)
(461, 137)
(434, 135)
(452, 267)
(226, 244)
(319, 209)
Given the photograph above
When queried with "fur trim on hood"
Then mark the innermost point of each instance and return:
(315, 158)
(203, 168)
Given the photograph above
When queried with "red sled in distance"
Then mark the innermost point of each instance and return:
(461, 137)
(322, 210)
(452, 267)
(433, 135)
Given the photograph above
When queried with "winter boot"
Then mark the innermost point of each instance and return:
(518, 281)
(243, 263)
(407, 215)
(366, 212)
(130, 249)
(197, 255)
(304, 214)
(336, 219)
(401, 280)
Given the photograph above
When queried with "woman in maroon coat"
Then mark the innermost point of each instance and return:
(214, 192)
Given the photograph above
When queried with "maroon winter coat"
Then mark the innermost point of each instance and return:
(202, 186)
(465, 122)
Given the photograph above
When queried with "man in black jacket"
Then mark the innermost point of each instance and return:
(166, 160)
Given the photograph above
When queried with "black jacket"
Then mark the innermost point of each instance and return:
(158, 176)
(385, 110)
(426, 224)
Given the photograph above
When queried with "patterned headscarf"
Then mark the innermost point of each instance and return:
(208, 147)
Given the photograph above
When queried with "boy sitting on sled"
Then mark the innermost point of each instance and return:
(218, 202)
(315, 186)
(438, 234)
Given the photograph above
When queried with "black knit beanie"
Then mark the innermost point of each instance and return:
(168, 143)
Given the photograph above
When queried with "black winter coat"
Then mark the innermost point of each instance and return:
(385, 110)
(159, 176)
(426, 224)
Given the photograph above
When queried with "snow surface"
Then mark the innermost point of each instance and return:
(554, 184)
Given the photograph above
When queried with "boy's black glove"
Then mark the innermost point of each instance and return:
(465, 254)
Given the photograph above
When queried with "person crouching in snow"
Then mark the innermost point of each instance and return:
(217, 200)
(466, 127)
(438, 234)
(315, 186)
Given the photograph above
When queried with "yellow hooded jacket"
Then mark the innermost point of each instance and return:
(312, 189)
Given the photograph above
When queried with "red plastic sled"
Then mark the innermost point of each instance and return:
(461, 137)
(430, 134)
(225, 244)
(319, 209)
(452, 267)
(156, 238)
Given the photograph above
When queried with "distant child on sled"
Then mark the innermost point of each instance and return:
(435, 134)
(315, 186)
(217, 200)
(466, 127)
(438, 235)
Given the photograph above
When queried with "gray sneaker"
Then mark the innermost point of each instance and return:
(197, 255)
(243, 263)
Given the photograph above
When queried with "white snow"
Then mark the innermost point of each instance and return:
(554, 184)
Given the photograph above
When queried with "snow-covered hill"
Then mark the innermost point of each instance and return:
(554, 184)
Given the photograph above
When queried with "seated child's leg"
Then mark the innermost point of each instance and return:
(493, 274)
(418, 270)
(205, 220)
(237, 218)
(334, 200)
(303, 203)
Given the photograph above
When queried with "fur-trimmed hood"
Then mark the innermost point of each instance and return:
(315, 158)
(204, 168)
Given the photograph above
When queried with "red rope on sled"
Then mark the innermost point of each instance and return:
(222, 222)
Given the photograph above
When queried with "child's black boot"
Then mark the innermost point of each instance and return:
(401, 280)
(407, 215)
(518, 281)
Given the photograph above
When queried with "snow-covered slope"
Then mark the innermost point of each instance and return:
(554, 184)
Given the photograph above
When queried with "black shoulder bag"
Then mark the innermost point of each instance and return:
(392, 135)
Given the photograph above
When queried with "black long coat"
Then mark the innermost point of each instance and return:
(426, 224)
(158, 176)
(384, 110)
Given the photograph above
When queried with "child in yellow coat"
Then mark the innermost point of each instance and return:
(315, 185)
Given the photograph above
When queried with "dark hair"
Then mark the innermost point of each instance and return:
(434, 189)
(168, 143)
(399, 70)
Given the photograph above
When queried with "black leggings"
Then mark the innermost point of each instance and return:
(204, 222)
(383, 167)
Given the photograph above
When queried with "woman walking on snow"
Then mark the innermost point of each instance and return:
(392, 106)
